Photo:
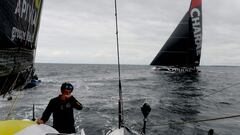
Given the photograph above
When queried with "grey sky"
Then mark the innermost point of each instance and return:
(83, 31)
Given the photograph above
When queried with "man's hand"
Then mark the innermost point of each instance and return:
(39, 121)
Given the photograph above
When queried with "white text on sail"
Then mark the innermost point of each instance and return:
(27, 12)
(197, 31)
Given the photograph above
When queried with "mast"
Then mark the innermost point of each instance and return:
(120, 100)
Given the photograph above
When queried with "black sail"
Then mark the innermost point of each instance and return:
(19, 24)
(183, 48)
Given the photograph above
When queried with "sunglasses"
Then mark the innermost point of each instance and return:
(68, 87)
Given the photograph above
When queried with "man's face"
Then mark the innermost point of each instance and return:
(66, 92)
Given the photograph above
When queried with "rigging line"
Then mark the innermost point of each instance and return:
(13, 84)
(11, 87)
(222, 90)
(198, 121)
(13, 105)
(211, 94)
(219, 118)
(16, 99)
(120, 102)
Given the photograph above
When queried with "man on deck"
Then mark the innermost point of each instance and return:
(62, 109)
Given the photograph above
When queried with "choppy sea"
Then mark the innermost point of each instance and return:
(182, 98)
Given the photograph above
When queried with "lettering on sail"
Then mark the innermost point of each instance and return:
(197, 30)
(28, 14)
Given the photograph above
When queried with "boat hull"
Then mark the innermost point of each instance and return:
(24, 127)
(176, 69)
(121, 131)
(27, 127)
(32, 84)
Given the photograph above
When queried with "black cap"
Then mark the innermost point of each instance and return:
(67, 86)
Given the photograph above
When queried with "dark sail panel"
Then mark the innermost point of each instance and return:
(183, 48)
(176, 49)
(19, 24)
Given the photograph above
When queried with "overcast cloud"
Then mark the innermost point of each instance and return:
(83, 31)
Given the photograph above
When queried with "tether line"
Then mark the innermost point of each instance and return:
(222, 90)
(198, 121)
(15, 101)
(13, 106)
(205, 120)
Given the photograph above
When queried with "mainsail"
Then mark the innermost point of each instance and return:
(183, 48)
(19, 24)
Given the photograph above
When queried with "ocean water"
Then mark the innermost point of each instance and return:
(212, 93)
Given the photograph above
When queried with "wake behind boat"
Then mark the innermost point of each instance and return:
(182, 51)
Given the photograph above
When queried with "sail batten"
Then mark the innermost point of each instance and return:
(187, 38)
